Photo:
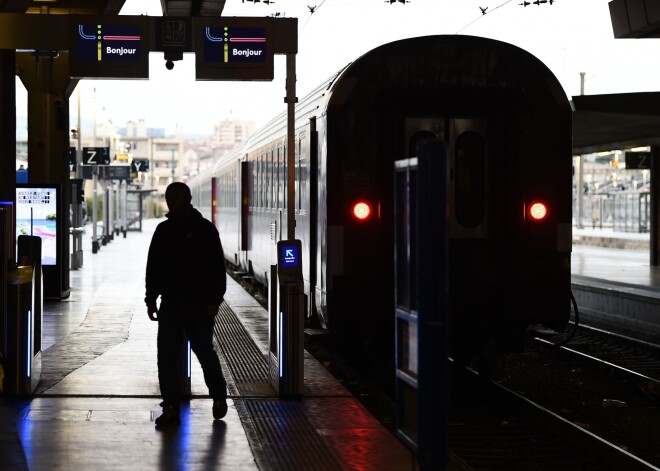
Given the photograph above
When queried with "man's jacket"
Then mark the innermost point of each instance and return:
(186, 262)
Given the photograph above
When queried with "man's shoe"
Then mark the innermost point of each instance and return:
(219, 408)
(169, 417)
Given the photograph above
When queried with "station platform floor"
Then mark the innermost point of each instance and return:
(95, 406)
(597, 256)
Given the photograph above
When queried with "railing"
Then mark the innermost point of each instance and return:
(623, 211)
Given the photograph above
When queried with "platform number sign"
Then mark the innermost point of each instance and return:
(139, 165)
(638, 160)
(96, 156)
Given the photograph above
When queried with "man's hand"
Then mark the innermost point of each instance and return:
(153, 313)
(209, 311)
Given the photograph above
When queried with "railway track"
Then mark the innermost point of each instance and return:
(493, 427)
(547, 409)
(603, 384)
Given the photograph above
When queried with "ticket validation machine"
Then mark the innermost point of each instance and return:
(286, 337)
(28, 252)
(23, 369)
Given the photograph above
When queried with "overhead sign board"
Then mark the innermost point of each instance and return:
(108, 47)
(96, 155)
(107, 172)
(139, 165)
(234, 48)
(117, 172)
(638, 160)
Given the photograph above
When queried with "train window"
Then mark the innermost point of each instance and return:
(253, 180)
(271, 176)
(261, 179)
(284, 176)
(304, 147)
(257, 179)
(264, 178)
(470, 179)
(278, 176)
(416, 139)
(301, 171)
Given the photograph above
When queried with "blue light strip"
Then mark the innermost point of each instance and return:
(29, 344)
(189, 359)
(280, 347)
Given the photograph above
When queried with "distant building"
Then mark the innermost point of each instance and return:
(166, 163)
(140, 129)
(165, 154)
(230, 133)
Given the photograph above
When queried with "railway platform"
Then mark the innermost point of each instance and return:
(98, 397)
(95, 406)
(614, 284)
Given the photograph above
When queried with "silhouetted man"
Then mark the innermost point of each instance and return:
(186, 268)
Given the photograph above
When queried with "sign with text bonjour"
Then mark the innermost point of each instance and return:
(108, 47)
(233, 48)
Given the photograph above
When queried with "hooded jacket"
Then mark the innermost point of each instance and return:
(186, 262)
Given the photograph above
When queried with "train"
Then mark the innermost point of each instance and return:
(506, 124)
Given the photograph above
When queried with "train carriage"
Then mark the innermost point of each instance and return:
(506, 123)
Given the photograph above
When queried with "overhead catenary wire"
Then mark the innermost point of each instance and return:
(482, 14)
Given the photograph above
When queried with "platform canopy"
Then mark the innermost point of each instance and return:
(615, 121)
(110, 7)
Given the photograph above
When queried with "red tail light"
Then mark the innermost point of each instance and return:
(537, 211)
(361, 210)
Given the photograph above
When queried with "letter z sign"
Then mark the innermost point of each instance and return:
(96, 156)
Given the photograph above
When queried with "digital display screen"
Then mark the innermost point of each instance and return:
(233, 49)
(234, 44)
(98, 42)
(290, 256)
(36, 215)
(104, 47)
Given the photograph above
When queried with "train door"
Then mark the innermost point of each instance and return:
(244, 205)
(313, 213)
(470, 260)
(467, 159)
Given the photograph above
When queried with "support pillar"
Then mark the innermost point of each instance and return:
(7, 125)
(654, 241)
(7, 184)
(46, 78)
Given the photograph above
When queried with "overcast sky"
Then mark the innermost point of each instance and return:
(569, 36)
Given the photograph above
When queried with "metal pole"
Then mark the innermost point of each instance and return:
(79, 143)
(151, 162)
(124, 212)
(291, 142)
(78, 236)
(655, 207)
(579, 193)
(95, 195)
(106, 214)
(94, 120)
(172, 165)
